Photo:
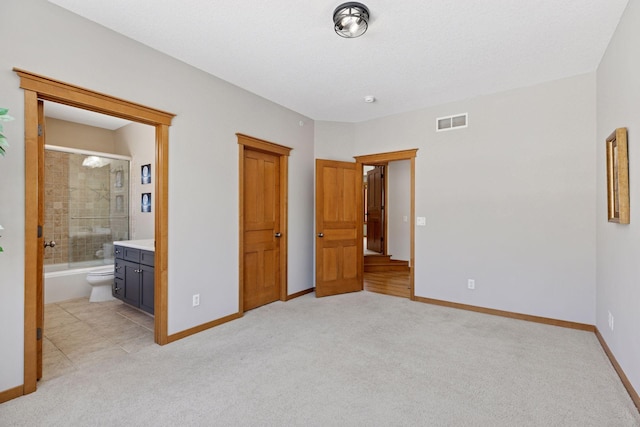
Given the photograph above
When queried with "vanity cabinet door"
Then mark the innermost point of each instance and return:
(147, 288)
(131, 283)
(118, 288)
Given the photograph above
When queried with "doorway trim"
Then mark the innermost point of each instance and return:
(383, 159)
(246, 142)
(37, 87)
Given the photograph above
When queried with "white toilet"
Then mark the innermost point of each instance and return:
(101, 280)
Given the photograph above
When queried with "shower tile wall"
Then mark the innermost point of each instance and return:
(56, 206)
(84, 207)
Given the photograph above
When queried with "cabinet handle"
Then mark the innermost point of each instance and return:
(118, 267)
(116, 289)
(138, 271)
(117, 252)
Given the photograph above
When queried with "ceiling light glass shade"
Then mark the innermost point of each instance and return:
(95, 162)
(351, 19)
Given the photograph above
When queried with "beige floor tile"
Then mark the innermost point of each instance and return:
(55, 316)
(55, 364)
(110, 319)
(48, 346)
(73, 305)
(147, 322)
(77, 344)
(139, 318)
(79, 334)
(83, 352)
(65, 331)
(131, 333)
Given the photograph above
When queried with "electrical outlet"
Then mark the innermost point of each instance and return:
(471, 284)
(196, 300)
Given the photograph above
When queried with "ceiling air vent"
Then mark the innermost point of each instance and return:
(451, 122)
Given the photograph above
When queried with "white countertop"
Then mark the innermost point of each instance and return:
(146, 244)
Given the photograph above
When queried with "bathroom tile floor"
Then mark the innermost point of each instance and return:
(78, 333)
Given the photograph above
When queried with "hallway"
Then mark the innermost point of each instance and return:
(395, 283)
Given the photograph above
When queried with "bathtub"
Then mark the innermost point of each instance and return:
(62, 283)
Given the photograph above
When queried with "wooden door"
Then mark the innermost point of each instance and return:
(40, 256)
(338, 237)
(375, 209)
(261, 205)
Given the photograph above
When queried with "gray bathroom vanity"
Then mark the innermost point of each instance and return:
(134, 273)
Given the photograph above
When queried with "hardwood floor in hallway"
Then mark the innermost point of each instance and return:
(394, 283)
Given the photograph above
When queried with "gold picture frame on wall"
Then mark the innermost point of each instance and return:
(618, 177)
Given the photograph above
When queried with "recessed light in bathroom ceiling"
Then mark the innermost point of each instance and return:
(369, 99)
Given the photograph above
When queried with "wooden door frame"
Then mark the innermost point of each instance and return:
(246, 142)
(40, 87)
(385, 158)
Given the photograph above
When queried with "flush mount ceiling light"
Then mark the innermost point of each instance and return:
(95, 162)
(351, 19)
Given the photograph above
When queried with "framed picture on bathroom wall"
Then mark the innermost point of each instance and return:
(145, 174)
(145, 202)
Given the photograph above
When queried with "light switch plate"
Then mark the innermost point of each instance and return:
(421, 221)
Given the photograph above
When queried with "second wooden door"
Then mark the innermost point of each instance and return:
(338, 237)
(261, 270)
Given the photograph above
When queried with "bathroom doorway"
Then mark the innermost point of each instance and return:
(90, 161)
(38, 89)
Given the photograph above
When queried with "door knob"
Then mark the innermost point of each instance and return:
(51, 244)
(320, 234)
(278, 234)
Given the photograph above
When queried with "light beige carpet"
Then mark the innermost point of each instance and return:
(360, 359)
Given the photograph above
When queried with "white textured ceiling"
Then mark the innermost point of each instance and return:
(85, 117)
(416, 53)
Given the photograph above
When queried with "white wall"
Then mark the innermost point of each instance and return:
(618, 275)
(398, 176)
(334, 141)
(203, 162)
(509, 201)
(75, 135)
(139, 141)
